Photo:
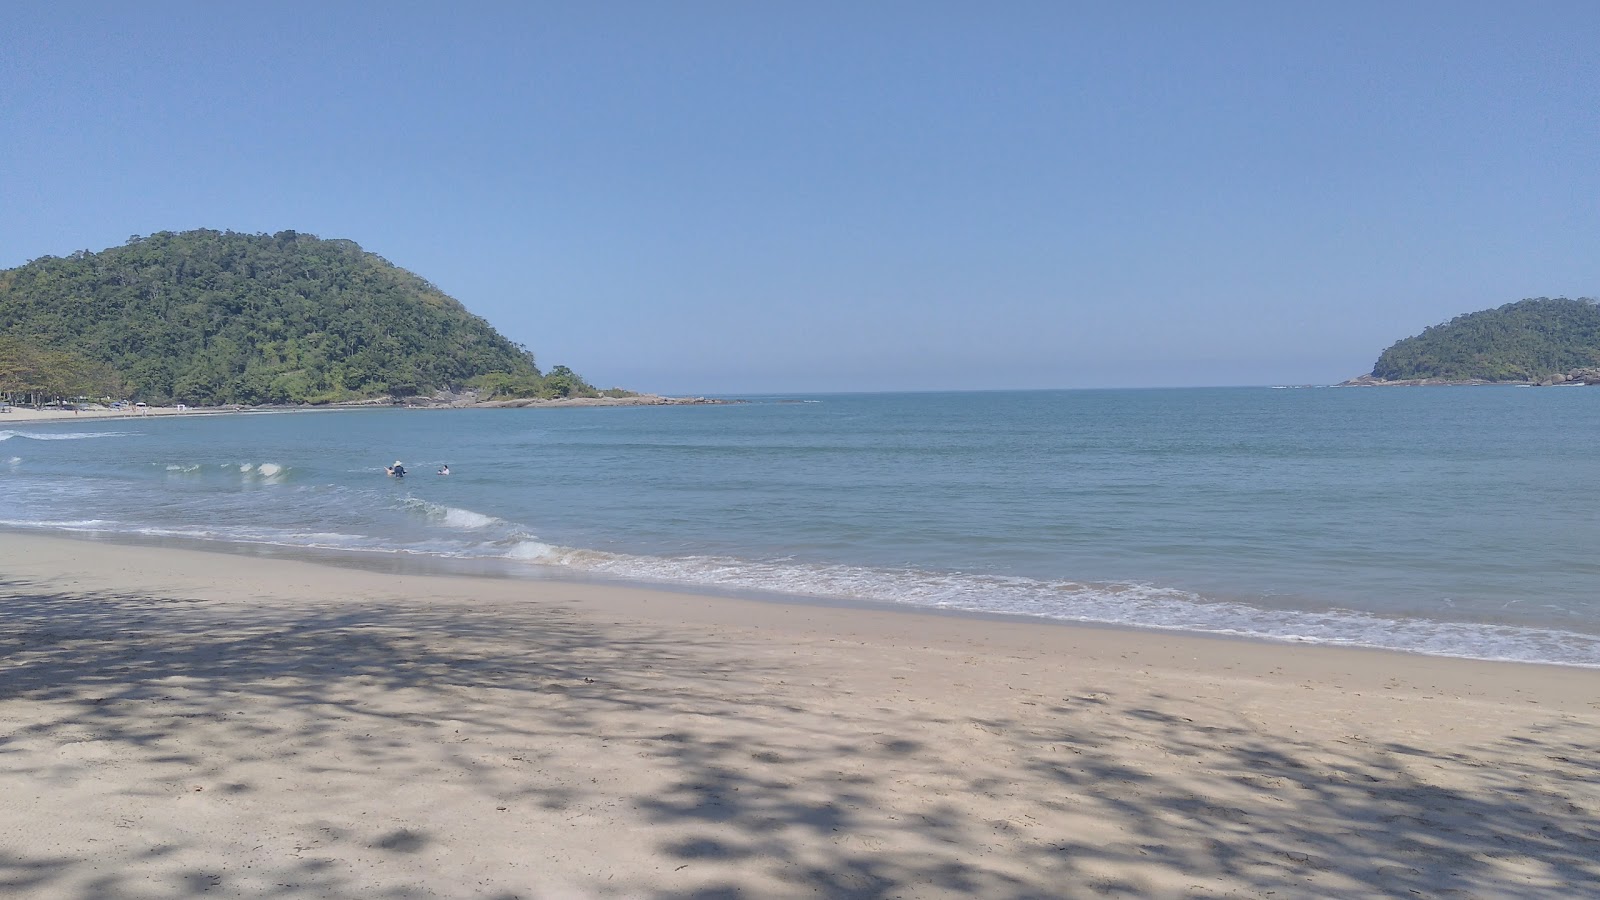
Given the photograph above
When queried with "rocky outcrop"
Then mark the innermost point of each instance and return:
(1576, 376)
(638, 400)
(1375, 381)
(1587, 376)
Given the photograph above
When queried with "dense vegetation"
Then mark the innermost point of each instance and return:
(28, 370)
(1525, 341)
(216, 317)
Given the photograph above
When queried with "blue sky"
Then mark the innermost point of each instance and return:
(737, 197)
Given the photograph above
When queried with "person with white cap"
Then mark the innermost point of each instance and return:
(396, 470)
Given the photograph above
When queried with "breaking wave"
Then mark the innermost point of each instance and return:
(63, 436)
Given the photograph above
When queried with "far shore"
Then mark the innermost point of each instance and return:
(178, 722)
(52, 414)
(1579, 378)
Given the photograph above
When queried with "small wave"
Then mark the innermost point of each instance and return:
(268, 471)
(64, 436)
(533, 551)
(237, 535)
(1124, 604)
(60, 525)
(186, 469)
(452, 517)
(466, 518)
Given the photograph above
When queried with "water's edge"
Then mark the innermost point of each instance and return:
(435, 566)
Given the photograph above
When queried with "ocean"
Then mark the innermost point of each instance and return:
(1448, 521)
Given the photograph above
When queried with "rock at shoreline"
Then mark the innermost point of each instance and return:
(640, 400)
(468, 399)
(1586, 376)
(1375, 381)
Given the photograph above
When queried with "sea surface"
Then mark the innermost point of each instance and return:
(1449, 521)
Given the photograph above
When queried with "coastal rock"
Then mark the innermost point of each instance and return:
(1584, 376)
(1370, 380)
(639, 400)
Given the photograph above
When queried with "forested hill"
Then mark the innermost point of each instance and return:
(1527, 341)
(210, 317)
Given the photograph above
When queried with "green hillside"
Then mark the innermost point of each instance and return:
(1524, 341)
(213, 317)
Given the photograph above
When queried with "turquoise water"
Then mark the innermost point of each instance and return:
(1454, 521)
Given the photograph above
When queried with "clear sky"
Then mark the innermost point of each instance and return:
(749, 197)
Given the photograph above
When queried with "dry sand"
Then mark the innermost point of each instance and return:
(178, 724)
(18, 415)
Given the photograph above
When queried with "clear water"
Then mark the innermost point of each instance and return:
(1453, 521)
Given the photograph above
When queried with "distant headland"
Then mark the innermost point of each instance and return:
(1541, 341)
(220, 318)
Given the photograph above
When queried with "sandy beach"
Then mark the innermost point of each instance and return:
(28, 415)
(17, 415)
(179, 723)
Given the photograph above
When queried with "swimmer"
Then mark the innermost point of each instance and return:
(396, 470)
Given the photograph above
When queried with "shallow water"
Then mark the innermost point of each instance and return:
(1448, 520)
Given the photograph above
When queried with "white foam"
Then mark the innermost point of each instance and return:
(64, 436)
(534, 551)
(62, 525)
(453, 517)
(267, 470)
(1127, 604)
(232, 534)
(466, 518)
(193, 467)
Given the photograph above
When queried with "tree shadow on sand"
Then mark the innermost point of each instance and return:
(760, 787)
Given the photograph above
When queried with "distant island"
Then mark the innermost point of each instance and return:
(218, 317)
(1540, 341)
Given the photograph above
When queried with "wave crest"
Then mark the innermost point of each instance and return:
(1125, 604)
(454, 517)
(63, 436)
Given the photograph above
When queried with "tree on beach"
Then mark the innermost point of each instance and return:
(563, 382)
(28, 370)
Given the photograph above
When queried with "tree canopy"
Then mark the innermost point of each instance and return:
(211, 317)
(1524, 341)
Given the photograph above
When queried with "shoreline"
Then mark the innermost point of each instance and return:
(499, 569)
(504, 569)
(27, 414)
(284, 728)
(1370, 381)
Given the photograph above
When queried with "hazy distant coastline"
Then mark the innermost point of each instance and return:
(1574, 378)
(20, 414)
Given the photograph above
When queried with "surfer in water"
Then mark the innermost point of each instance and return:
(396, 470)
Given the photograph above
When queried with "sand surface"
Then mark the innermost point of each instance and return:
(186, 724)
(18, 415)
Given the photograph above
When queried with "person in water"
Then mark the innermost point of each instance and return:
(444, 469)
(396, 470)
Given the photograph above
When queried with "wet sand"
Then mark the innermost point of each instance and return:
(176, 723)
